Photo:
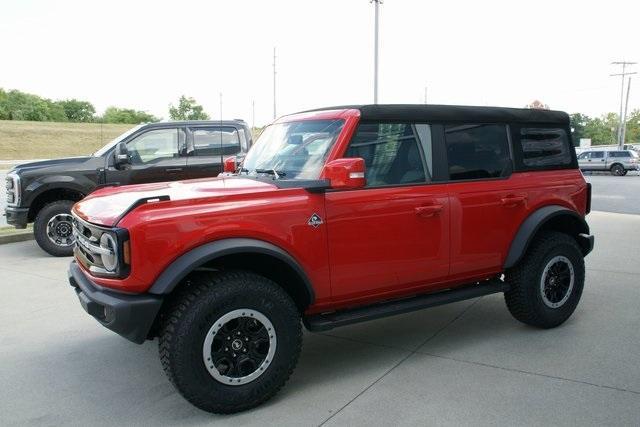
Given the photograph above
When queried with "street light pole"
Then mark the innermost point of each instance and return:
(375, 52)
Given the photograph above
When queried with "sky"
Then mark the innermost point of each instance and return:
(146, 54)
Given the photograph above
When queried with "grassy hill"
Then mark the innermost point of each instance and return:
(47, 140)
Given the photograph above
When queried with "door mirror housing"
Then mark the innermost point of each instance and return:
(121, 155)
(230, 165)
(345, 174)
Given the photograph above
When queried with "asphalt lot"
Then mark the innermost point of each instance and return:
(468, 363)
(619, 194)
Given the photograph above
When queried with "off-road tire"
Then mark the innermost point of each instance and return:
(40, 227)
(204, 298)
(617, 170)
(524, 298)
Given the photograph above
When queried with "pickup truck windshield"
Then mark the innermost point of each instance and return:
(114, 141)
(293, 150)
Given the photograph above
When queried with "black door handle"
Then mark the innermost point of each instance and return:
(173, 170)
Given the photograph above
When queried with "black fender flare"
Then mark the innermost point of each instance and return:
(56, 182)
(186, 263)
(534, 222)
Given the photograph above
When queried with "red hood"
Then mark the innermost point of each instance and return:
(105, 206)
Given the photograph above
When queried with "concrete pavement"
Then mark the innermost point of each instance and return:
(468, 363)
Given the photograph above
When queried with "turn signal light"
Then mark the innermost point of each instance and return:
(126, 252)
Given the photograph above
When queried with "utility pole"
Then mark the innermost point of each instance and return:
(624, 116)
(623, 74)
(425, 94)
(274, 83)
(375, 52)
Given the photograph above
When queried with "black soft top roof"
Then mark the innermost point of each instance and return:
(455, 113)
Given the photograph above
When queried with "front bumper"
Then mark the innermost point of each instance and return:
(18, 217)
(131, 316)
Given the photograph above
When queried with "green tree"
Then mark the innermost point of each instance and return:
(187, 109)
(16, 105)
(632, 136)
(125, 115)
(77, 111)
(603, 129)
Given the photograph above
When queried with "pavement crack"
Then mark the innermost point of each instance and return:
(521, 371)
(411, 353)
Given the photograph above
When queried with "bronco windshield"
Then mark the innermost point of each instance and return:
(294, 150)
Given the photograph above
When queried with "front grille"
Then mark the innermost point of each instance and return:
(87, 246)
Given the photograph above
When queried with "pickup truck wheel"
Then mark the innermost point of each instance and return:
(53, 228)
(230, 340)
(617, 170)
(547, 283)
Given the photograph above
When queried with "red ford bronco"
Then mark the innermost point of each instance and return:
(335, 216)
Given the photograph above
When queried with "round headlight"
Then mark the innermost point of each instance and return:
(110, 259)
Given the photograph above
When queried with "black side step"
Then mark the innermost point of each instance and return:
(327, 321)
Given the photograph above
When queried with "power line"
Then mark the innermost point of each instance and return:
(622, 75)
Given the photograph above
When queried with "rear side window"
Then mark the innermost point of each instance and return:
(542, 147)
(477, 151)
(619, 154)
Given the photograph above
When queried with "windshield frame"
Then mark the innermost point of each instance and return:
(100, 152)
(313, 164)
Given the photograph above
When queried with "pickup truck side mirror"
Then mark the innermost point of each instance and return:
(121, 155)
(345, 174)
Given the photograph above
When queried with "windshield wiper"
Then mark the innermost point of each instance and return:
(276, 174)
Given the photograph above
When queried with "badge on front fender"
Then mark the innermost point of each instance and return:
(315, 221)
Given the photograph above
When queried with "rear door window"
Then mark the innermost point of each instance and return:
(477, 151)
(215, 141)
(544, 147)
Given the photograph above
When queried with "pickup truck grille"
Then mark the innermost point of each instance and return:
(87, 247)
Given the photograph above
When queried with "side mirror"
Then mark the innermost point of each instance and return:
(345, 174)
(229, 164)
(121, 155)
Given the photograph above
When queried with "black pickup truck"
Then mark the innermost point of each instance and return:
(43, 192)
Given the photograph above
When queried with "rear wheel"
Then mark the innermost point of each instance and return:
(53, 228)
(230, 340)
(617, 170)
(546, 286)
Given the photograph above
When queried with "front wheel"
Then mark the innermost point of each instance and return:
(53, 228)
(230, 340)
(546, 286)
